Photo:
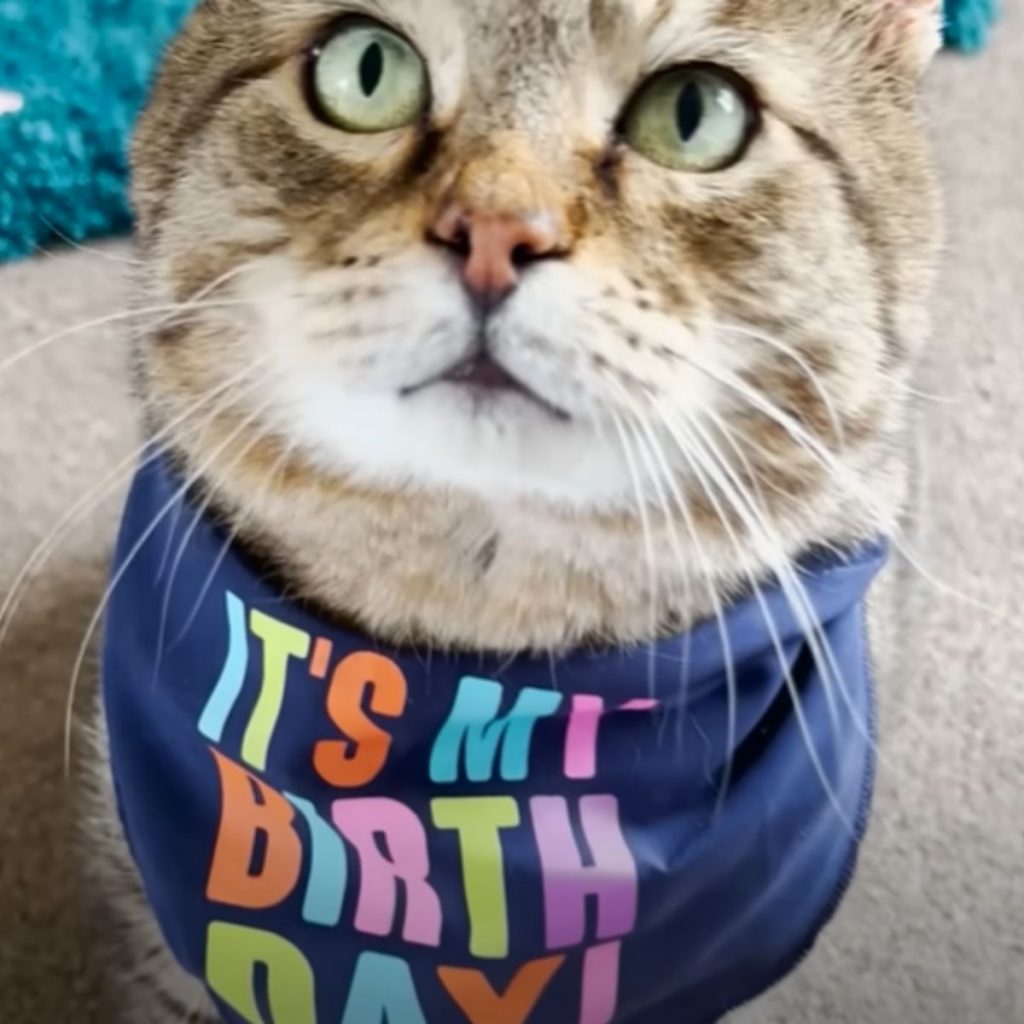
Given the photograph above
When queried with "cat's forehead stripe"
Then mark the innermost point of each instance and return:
(642, 11)
(611, 21)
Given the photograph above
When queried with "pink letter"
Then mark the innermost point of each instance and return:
(361, 821)
(600, 984)
(581, 739)
(611, 876)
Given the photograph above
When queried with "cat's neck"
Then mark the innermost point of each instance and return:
(451, 570)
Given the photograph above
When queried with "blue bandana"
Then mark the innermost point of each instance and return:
(330, 830)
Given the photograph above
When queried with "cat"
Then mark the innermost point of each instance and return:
(529, 327)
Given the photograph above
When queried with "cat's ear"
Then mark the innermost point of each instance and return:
(910, 31)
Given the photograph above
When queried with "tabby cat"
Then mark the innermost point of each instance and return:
(525, 328)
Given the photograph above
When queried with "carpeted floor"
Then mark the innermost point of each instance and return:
(933, 932)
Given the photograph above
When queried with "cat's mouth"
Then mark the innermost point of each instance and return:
(485, 378)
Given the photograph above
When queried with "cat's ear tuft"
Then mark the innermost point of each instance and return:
(911, 31)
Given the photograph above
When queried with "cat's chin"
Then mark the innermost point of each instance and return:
(501, 444)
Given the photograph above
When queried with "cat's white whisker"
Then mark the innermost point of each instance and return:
(791, 353)
(704, 474)
(780, 564)
(645, 523)
(652, 568)
(740, 500)
(845, 478)
(796, 596)
(91, 250)
(707, 574)
(792, 580)
(125, 565)
(155, 443)
(169, 311)
(903, 386)
(231, 536)
(198, 514)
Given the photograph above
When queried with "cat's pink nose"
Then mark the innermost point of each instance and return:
(495, 247)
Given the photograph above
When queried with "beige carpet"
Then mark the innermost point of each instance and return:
(934, 930)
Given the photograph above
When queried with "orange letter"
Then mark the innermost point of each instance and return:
(234, 879)
(358, 760)
(482, 1005)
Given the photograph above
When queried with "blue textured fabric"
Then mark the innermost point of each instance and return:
(81, 69)
(331, 830)
(968, 22)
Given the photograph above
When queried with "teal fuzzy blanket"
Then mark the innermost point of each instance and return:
(73, 74)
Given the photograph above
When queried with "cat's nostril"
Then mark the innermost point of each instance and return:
(461, 241)
(495, 248)
(524, 253)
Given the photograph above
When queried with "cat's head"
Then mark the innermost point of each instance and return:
(555, 251)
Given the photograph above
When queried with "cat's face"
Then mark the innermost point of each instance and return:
(555, 249)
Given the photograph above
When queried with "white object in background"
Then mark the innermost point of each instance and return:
(11, 102)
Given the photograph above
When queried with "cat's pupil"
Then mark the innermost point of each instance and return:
(690, 111)
(371, 69)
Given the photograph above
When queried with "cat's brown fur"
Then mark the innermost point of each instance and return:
(316, 242)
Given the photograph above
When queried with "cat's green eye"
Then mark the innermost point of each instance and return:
(368, 79)
(693, 118)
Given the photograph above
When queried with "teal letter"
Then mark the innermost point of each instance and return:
(232, 675)
(328, 868)
(474, 724)
(382, 992)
